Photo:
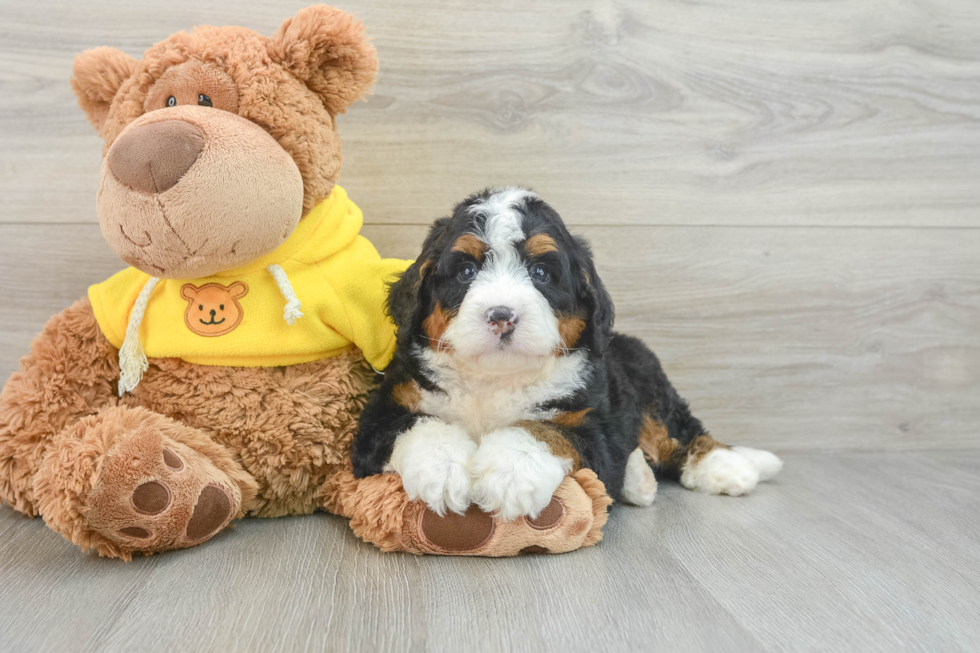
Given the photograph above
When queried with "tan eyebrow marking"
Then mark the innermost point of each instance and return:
(470, 244)
(540, 244)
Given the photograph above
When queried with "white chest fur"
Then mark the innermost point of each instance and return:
(481, 403)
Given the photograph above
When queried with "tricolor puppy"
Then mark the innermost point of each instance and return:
(508, 376)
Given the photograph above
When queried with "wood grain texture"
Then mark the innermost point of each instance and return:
(628, 112)
(806, 338)
(856, 552)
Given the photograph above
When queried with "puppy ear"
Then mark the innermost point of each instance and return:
(96, 77)
(602, 313)
(403, 296)
(327, 49)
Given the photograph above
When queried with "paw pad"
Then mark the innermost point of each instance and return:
(172, 460)
(455, 532)
(551, 516)
(151, 498)
(135, 531)
(212, 510)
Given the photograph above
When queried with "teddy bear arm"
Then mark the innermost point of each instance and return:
(67, 375)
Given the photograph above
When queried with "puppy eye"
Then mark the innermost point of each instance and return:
(171, 101)
(539, 274)
(467, 273)
(204, 100)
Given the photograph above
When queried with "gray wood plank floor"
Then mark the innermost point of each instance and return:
(869, 552)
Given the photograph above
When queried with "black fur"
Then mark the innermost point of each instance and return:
(626, 381)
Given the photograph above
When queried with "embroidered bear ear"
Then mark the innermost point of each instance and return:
(238, 290)
(328, 50)
(189, 291)
(97, 75)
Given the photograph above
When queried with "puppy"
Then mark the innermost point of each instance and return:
(507, 376)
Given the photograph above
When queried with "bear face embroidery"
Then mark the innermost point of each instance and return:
(213, 309)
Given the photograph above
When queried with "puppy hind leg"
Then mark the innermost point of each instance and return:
(765, 462)
(713, 468)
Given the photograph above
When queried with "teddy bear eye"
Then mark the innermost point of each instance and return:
(200, 307)
(222, 307)
(204, 100)
(171, 101)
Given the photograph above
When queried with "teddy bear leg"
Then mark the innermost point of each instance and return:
(128, 480)
(380, 513)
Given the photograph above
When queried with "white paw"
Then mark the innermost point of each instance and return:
(513, 474)
(721, 471)
(432, 457)
(765, 462)
(640, 484)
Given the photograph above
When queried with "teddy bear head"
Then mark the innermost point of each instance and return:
(218, 142)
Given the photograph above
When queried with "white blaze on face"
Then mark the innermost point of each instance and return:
(503, 281)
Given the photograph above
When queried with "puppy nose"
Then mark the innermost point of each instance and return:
(502, 320)
(154, 157)
(212, 312)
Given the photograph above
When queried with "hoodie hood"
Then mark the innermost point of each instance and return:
(320, 293)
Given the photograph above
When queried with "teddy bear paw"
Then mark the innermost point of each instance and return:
(155, 494)
(565, 524)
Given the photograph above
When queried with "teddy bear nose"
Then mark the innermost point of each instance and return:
(154, 157)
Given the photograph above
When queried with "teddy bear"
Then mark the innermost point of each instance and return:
(222, 374)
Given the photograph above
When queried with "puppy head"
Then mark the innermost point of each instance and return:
(502, 287)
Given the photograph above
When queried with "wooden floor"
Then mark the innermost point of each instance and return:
(849, 552)
(785, 204)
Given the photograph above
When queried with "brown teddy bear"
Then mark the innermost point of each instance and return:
(222, 374)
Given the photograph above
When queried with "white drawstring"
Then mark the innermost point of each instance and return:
(291, 312)
(132, 358)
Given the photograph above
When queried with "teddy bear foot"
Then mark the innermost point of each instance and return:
(129, 480)
(156, 494)
(572, 520)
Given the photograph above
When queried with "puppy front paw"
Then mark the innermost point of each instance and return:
(432, 459)
(513, 474)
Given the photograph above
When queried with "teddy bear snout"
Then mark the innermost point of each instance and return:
(152, 158)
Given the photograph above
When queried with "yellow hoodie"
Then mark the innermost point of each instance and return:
(242, 317)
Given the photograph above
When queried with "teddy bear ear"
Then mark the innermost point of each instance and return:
(96, 76)
(328, 50)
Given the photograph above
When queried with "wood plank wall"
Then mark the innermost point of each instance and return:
(783, 196)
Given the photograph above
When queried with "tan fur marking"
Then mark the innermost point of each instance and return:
(570, 420)
(656, 444)
(424, 267)
(570, 327)
(540, 244)
(700, 447)
(470, 244)
(407, 395)
(435, 325)
(552, 437)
